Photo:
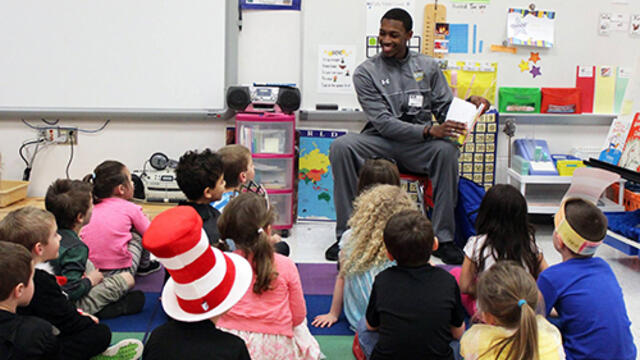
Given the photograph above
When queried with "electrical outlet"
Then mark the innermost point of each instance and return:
(60, 135)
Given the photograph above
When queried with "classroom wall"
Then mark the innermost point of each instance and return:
(267, 53)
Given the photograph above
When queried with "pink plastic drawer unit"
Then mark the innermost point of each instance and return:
(266, 133)
(282, 202)
(274, 171)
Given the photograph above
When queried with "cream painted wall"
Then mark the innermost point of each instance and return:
(269, 51)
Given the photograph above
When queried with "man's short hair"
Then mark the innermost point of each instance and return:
(66, 199)
(400, 15)
(408, 237)
(197, 171)
(15, 262)
(586, 219)
(235, 160)
(27, 226)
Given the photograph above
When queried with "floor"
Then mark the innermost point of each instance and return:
(308, 241)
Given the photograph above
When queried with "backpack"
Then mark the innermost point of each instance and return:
(470, 196)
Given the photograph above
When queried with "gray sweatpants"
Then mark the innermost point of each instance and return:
(108, 291)
(436, 158)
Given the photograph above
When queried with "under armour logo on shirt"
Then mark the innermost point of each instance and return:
(385, 82)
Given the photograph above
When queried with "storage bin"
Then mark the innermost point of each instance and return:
(519, 100)
(266, 133)
(274, 172)
(12, 191)
(566, 164)
(281, 201)
(560, 101)
(631, 199)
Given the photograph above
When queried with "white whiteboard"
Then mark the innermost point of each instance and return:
(112, 54)
(340, 22)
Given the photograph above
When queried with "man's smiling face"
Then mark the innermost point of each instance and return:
(393, 38)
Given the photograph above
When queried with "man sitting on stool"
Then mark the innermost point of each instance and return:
(399, 91)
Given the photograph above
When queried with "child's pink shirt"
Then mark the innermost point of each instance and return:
(275, 311)
(109, 231)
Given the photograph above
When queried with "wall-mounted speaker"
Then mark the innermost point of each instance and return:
(238, 97)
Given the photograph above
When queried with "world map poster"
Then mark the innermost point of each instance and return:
(315, 185)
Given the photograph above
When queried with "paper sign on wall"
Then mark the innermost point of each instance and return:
(530, 28)
(335, 68)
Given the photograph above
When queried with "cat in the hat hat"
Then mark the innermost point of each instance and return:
(205, 283)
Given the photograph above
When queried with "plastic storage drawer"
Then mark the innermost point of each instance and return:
(274, 172)
(266, 134)
(281, 202)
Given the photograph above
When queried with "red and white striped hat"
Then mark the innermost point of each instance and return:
(205, 282)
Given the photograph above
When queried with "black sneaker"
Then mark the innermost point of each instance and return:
(332, 252)
(152, 267)
(131, 303)
(449, 253)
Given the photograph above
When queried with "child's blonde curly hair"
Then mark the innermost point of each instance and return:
(371, 211)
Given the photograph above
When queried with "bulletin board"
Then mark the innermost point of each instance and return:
(577, 40)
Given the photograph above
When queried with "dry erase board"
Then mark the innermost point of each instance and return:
(116, 54)
(482, 23)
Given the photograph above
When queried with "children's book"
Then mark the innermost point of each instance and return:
(464, 112)
(630, 158)
(614, 143)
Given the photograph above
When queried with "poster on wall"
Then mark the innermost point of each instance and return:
(315, 182)
(270, 4)
(336, 64)
(375, 9)
(530, 28)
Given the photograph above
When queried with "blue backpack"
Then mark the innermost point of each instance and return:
(470, 196)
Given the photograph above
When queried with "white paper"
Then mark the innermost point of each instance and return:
(619, 22)
(375, 9)
(462, 111)
(585, 71)
(604, 24)
(542, 166)
(634, 25)
(336, 64)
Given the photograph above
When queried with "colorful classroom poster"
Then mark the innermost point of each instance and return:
(530, 28)
(376, 9)
(604, 94)
(458, 38)
(315, 185)
(336, 64)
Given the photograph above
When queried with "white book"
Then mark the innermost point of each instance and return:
(464, 112)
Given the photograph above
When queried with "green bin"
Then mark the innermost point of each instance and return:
(519, 100)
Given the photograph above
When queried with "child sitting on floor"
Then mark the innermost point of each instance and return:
(363, 253)
(271, 317)
(71, 202)
(199, 176)
(414, 307)
(583, 289)
(21, 337)
(81, 336)
(504, 233)
(507, 299)
(239, 175)
(191, 334)
(113, 247)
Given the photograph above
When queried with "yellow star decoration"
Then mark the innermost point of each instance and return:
(535, 57)
(524, 65)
